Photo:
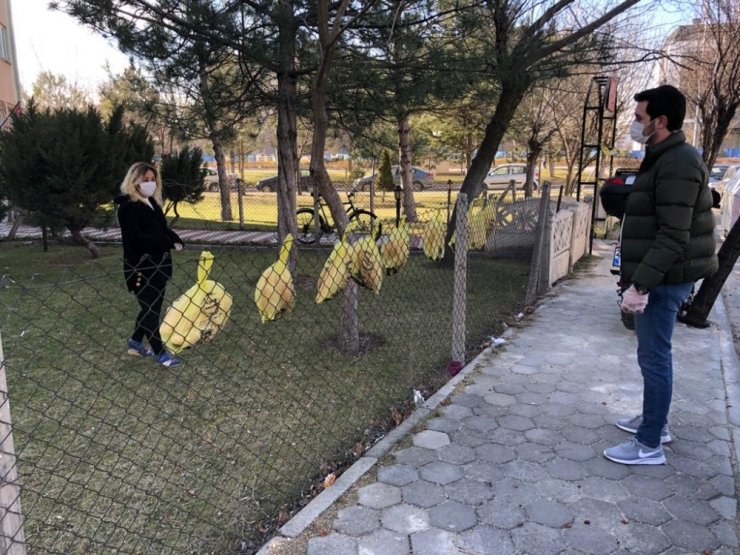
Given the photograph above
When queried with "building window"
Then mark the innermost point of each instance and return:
(4, 48)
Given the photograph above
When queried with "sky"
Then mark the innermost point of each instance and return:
(54, 41)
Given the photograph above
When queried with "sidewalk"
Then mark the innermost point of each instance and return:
(511, 462)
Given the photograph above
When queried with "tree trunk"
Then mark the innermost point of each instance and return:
(511, 96)
(287, 134)
(533, 154)
(697, 313)
(718, 127)
(17, 221)
(404, 146)
(223, 183)
(80, 239)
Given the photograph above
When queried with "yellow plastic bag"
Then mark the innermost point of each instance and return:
(199, 314)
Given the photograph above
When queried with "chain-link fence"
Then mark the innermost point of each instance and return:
(119, 454)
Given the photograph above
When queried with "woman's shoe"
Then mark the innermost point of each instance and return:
(138, 349)
(166, 359)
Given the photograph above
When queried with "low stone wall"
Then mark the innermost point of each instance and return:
(569, 238)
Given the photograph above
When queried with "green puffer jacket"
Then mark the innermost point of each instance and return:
(668, 227)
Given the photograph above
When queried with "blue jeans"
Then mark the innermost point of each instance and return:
(654, 329)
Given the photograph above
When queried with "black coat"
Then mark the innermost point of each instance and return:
(147, 241)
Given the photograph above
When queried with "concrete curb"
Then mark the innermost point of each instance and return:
(730, 372)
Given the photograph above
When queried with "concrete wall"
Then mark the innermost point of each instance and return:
(9, 82)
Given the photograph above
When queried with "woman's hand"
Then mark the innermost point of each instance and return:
(179, 246)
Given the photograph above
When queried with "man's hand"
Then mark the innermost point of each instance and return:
(179, 246)
(634, 302)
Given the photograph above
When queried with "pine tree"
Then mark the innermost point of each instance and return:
(384, 181)
(182, 178)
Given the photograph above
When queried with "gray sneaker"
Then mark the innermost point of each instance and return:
(631, 424)
(634, 452)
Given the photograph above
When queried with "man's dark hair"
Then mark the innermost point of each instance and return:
(667, 101)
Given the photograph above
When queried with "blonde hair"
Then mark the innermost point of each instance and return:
(134, 175)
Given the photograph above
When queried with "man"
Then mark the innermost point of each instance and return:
(667, 244)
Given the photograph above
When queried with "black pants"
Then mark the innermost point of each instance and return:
(150, 298)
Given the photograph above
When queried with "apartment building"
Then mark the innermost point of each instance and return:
(10, 88)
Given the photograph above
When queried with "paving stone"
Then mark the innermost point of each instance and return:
(725, 533)
(549, 438)
(534, 452)
(535, 538)
(654, 472)
(565, 469)
(452, 516)
(538, 387)
(434, 542)
(494, 453)
(596, 511)
(357, 521)
(469, 492)
(379, 495)
(699, 469)
(456, 454)
(501, 513)
(507, 438)
(423, 494)
(526, 370)
(641, 486)
(587, 421)
(518, 423)
(480, 423)
(491, 410)
(469, 400)
(683, 484)
(531, 398)
(590, 539)
(645, 511)
(525, 470)
(725, 485)
(690, 536)
(468, 438)
(457, 412)
(692, 449)
(549, 513)
(397, 474)
(509, 388)
(333, 544)
(691, 510)
(576, 452)
(601, 488)
(415, 456)
(442, 424)
(644, 539)
(501, 399)
(482, 471)
(441, 473)
(725, 506)
(559, 490)
(564, 398)
(528, 411)
(405, 519)
(384, 542)
(485, 540)
(605, 468)
(580, 435)
(430, 439)
(559, 410)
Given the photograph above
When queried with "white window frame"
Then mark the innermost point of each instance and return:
(4, 43)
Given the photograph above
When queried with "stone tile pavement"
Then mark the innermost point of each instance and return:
(512, 461)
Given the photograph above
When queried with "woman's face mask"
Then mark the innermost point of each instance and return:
(147, 188)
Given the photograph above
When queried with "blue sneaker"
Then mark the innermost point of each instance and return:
(168, 360)
(138, 349)
(634, 452)
(631, 424)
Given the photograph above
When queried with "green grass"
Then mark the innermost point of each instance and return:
(119, 454)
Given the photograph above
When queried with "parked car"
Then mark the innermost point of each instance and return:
(615, 190)
(730, 209)
(719, 177)
(210, 179)
(421, 179)
(270, 184)
(500, 176)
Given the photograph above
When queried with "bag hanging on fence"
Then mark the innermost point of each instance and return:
(198, 314)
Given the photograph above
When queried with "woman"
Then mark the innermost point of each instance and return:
(147, 264)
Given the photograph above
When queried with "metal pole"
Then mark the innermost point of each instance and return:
(12, 537)
(449, 200)
(600, 132)
(460, 286)
(240, 198)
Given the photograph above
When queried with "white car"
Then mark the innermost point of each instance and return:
(500, 176)
(721, 175)
(730, 204)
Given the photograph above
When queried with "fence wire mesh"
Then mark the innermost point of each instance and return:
(116, 453)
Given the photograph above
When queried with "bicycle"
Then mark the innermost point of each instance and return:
(307, 224)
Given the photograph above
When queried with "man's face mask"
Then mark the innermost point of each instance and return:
(637, 130)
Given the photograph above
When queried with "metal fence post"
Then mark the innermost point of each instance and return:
(12, 538)
(535, 266)
(460, 285)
